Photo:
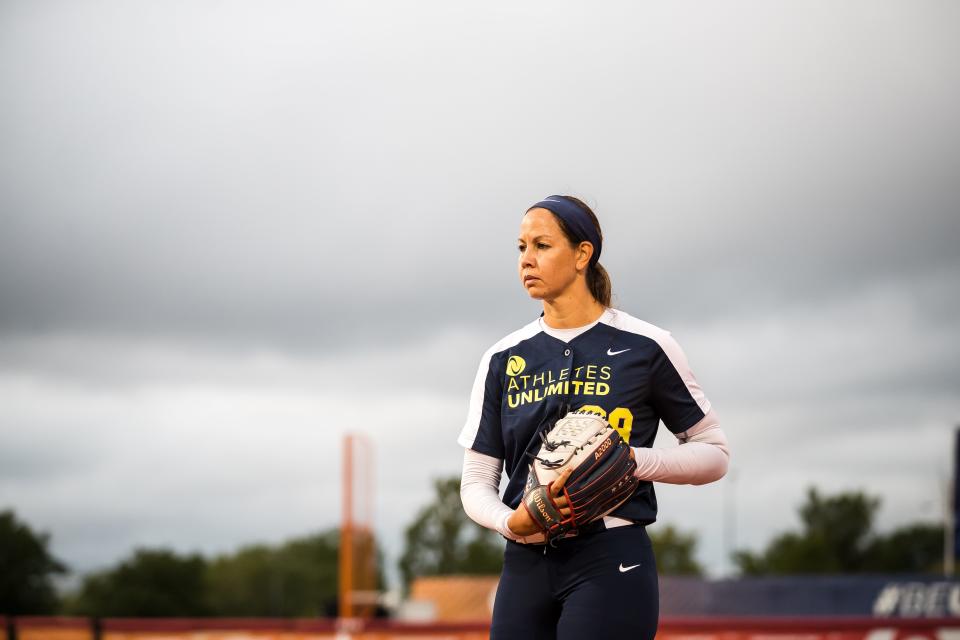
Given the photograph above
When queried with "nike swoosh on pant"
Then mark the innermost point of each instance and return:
(624, 569)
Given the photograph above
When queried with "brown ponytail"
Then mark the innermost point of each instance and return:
(598, 280)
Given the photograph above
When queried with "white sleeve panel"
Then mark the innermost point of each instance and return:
(679, 360)
(702, 456)
(468, 433)
(479, 492)
(670, 346)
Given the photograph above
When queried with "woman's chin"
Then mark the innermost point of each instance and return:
(535, 292)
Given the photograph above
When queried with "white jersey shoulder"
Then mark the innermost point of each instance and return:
(512, 339)
(626, 322)
(469, 432)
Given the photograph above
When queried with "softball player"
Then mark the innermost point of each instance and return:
(580, 353)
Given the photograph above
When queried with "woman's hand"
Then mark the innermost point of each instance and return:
(523, 525)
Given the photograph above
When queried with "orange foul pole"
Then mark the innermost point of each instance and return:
(346, 533)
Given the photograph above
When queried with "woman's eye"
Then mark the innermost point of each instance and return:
(521, 248)
(541, 245)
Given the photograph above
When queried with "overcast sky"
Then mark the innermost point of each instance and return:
(231, 232)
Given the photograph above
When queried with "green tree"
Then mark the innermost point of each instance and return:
(26, 569)
(837, 537)
(675, 551)
(442, 540)
(299, 578)
(915, 548)
(835, 534)
(153, 582)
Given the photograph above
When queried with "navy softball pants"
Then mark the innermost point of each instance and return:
(597, 586)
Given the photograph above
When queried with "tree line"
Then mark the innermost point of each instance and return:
(298, 578)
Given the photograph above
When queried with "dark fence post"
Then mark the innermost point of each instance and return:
(11, 628)
(96, 627)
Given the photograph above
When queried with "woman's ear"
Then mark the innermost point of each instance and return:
(584, 253)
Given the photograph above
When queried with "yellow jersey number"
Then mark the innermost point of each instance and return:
(620, 419)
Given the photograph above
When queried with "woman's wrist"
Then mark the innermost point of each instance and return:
(512, 525)
(521, 524)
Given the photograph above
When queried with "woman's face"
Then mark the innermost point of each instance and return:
(548, 264)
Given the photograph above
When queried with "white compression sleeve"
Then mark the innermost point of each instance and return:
(480, 494)
(702, 456)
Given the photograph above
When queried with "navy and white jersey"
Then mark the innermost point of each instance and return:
(631, 371)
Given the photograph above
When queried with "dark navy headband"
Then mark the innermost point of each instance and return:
(576, 219)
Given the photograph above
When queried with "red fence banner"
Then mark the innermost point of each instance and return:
(671, 628)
